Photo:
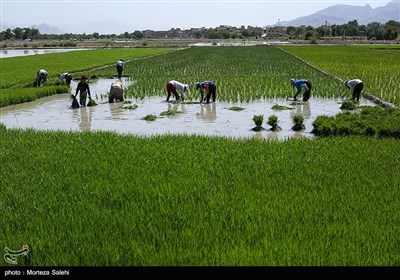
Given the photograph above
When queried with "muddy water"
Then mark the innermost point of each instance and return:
(55, 113)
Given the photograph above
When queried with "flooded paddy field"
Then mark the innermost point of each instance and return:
(214, 119)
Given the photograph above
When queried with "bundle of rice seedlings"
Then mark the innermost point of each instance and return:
(75, 103)
(348, 104)
(91, 103)
(280, 107)
(150, 118)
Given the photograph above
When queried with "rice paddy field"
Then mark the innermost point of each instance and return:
(108, 199)
(377, 65)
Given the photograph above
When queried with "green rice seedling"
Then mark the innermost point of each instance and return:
(298, 123)
(236, 108)
(150, 117)
(277, 107)
(377, 68)
(18, 72)
(258, 120)
(273, 122)
(130, 107)
(374, 121)
(151, 210)
(91, 103)
(75, 103)
(170, 113)
(348, 104)
(127, 102)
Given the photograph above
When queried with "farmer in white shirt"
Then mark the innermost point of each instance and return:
(41, 75)
(173, 86)
(356, 87)
(120, 66)
(67, 76)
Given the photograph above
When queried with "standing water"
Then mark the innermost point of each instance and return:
(214, 119)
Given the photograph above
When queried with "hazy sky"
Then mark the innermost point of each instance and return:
(162, 14)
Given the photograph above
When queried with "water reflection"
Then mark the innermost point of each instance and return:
(25, 52)
(116, 111)
(303, 109)
(208, 112)
(83, 116)
(178, 107)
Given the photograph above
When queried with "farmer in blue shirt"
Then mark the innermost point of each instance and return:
(210, 88)
(301, 84)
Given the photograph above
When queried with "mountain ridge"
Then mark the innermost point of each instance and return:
(343, 13)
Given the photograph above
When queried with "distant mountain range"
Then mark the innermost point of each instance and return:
(342, 13)
(337, 14)
(102, 27)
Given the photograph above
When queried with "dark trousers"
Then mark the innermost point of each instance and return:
(212, 89)
(68, 80)
(119, 70)
(83, 97)
(116, 93)
(357, 91)
(39, 78)
(172, 90)
(307, 93)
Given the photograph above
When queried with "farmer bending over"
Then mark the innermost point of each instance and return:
(67, 76)
(40, 75)
(116, 92)
(356, 86)
(172, 86)
(301, 84)
(210, 88)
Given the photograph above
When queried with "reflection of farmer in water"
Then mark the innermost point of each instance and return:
(303, 109)
(208, 112)
(85, 122)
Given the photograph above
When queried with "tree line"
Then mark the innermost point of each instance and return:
(374, 30)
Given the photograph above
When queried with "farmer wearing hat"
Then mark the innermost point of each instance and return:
(210, 88)
(301, 84)
(40, 75)
(356, 86)
(116, 92)
(173, 86)
(83, 89)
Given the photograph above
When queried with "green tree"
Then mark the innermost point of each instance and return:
(375, 30)
(352, 28)
(8, 34)
(18, 33)
(137, 34)
(391, 28)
